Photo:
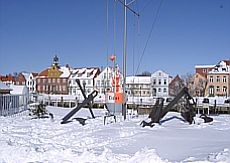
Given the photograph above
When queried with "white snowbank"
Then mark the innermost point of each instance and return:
(24, 139)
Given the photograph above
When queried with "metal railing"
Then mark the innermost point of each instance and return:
(12, 104)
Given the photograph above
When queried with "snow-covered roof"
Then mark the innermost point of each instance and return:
(84, 73)
(159, 73)
(19, 89)
(26, 75)
(138, 79)
(65, 72)
(205, 66)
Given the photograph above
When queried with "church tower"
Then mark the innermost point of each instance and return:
(55, 60)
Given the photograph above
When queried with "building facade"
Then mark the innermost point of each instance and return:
(30, 81)
(109, 85)
(160, 84)
(138, 89)
(87, 79)
(197, 85)
(138, 86)
(53, 80)
(219, 80)
(203, 69)
(8, 80)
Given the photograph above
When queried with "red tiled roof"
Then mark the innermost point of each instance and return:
(43, 73)
(227, 62)
(34, 74)
(7, 78)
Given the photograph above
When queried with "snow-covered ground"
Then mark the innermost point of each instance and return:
(23, 139)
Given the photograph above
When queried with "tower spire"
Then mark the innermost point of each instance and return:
(55, 60)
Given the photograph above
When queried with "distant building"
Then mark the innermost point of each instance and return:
(20, 79)
(138, 89)
(108, 83)
(4, 89)
(87, 79)
(203, 69)
(197, 85)
(160, 84)
(175, 86)
(8, 80)
(53, 80)
(138, 86)
(30, 81)
(219, 80)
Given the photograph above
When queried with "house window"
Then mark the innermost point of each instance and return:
(165, 90)
(74, 91)
(218, 79)
(58, 80)
(154, 81)
(224, 79)
(211, 79)
(217, 88)
(38, 87)
(224, 89)
(165, 82)
(159, 89)
(38, 81)
(211, 91)
(159, 81)
(53, 80)
(159, 73)
(49, 80)
(89, 82)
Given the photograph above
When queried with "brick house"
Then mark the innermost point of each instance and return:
(20, 79)
(53, 80)
(203, 69)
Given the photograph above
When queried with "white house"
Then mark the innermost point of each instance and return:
(87, 79)
(30, 81)
(160, 83)
(108, 82)
(138, 89)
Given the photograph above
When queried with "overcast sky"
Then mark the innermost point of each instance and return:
(185, 33)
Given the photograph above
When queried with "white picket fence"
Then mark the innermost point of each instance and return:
(12, 104)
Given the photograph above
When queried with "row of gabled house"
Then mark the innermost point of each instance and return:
(23, 78)
(209, 80)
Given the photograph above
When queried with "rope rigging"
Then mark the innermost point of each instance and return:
(149, 36)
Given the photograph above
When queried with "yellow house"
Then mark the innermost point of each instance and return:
(219, 80)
